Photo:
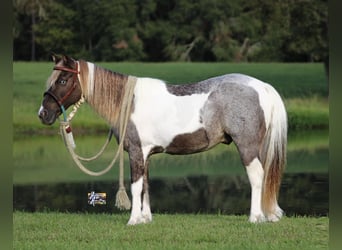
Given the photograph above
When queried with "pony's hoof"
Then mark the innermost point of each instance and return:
(257, 218)
(147, 218)
(273, 218)
(133, 222)
(139, 220)
(276, 215)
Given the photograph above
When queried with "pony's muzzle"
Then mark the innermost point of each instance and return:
(45, 116)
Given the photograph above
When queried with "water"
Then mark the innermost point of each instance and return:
(214, 182)
(300, 194)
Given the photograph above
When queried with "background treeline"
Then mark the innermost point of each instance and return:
(174, 30)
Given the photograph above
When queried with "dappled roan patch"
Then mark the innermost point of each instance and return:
(182, 119)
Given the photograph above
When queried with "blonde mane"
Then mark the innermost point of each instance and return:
(103, 90)
(53, 77)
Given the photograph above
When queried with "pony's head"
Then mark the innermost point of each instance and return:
(63, 89)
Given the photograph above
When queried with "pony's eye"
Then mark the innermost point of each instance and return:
(63, 82)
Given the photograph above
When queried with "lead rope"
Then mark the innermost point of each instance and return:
(122, 200)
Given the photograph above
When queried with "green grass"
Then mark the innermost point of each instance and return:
(294, 81)
(53, 230)
(307, 113)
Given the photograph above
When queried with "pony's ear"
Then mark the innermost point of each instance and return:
(56, 58)
(68, 61)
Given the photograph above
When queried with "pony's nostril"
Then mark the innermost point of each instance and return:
(43, 113)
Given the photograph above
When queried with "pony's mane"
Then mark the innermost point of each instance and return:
(105, 93)
(53, 77)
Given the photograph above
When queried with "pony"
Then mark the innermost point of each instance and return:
(182, 119)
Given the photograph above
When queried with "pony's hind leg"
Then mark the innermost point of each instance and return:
(255, 174)
(248, 148)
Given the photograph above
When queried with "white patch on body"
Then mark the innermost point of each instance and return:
(90, 83)
(255, 174)
(159, 115)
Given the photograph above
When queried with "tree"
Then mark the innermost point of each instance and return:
(308, 40)
(187, 30)
(121, 41)
(107, 30)
(154, 27)
(308, 23)
(57, 32)
(174, 30)
(34, 9)
(266, 27)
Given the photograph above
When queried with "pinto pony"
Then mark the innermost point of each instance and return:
(182, 119)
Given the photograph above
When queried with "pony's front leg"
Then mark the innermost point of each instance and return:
(146, 209)
(136, 190)
(141, 212)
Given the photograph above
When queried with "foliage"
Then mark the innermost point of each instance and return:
(108, 30)
(54, 33)
(33, 10)
(182, 30)
(312, 44)
(106, 231)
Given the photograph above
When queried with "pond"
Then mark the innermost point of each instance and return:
(46, 179)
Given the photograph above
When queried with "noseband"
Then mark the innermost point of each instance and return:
(60, 101)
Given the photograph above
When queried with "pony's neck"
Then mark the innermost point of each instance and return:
(103, 90)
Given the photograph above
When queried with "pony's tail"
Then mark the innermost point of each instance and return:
(273, 154)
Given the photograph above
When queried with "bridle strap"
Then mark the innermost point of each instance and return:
(62, 68)
(49, 93)
(62, 100)
(68, 93)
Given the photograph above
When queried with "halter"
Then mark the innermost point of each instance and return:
(73, 87)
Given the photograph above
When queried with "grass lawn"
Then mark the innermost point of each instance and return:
(179, 231)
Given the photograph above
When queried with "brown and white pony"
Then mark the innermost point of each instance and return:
(183, 119)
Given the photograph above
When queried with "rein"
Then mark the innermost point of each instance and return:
(122, 200)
